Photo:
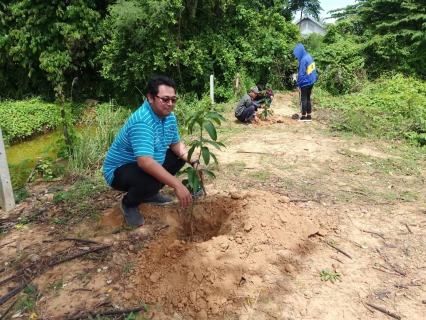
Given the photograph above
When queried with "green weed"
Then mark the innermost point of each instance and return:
(326, 274)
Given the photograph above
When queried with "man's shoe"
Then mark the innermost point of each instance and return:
(158, 200)
(308, 118)
(303, 118)
(132, 215)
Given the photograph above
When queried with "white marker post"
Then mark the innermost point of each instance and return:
(212, 91)
(6, 192)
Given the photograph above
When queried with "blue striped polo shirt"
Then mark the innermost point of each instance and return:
(144, 134)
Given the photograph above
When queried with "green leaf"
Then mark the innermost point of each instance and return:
(208, 125)
(191, 151)
(191, 124)
(209, 173)
(206, 154)
(215, 144)
(215, 115)
(214, 158)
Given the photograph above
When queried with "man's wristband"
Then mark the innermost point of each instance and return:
(194, 162)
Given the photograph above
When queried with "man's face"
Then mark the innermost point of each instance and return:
(162, 104)
(253, 94)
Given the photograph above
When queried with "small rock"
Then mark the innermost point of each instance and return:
(154, 277)
(289, 268)
(193, 297)
(198, 273)
(239, 240)
(33, 257)
(190, 276)
(284, 199)
(243, 317)
(131, 247)
(202, 315)
(322, 232)
(247, 226)
(177, 316)
(235, 195)
(128, 295)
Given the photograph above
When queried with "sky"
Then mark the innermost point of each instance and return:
(328, 5)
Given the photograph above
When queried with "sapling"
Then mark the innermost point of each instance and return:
(200, 122)
(267, 111)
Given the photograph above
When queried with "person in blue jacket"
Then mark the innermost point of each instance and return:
(306, 78)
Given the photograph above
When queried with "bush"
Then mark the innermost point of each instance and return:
(391, 107)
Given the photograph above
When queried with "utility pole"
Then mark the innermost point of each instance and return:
(6, 192)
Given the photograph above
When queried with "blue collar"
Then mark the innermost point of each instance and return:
(154, 116)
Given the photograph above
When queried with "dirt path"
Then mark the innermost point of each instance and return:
(283, 191)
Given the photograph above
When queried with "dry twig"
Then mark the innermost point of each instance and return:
(393, 315)
(340, 250)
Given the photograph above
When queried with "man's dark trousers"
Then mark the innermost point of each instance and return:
(139, 184)
(305, 99)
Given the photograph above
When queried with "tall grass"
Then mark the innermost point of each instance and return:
(391, 107)
(95, 140)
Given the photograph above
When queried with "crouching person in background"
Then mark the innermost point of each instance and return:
(246, 109)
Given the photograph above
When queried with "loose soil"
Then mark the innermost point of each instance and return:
(287, 194)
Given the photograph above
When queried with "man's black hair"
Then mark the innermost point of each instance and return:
(157, 81)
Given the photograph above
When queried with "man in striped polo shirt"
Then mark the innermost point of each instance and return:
(147, 153)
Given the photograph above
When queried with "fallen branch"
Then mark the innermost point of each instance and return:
(78, 255)
(388, 261)
(16, 290)
(408, 227)
(387, 271)
(8, 309)
(335, 258)
(255, 152)
(301, 200)
(80, 289)
(5, 244)
(78, 240)
(340, 250)
(364, 194)
(107, 313)
(12, 293)
(376, 233)
(393, 315)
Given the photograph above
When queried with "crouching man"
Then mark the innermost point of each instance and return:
(147, 153)
(246, 109)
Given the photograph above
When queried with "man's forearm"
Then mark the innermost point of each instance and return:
(181, 151)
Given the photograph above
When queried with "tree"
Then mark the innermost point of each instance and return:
(222, 38)
(393, 33)
(311, 7)
(49, 40)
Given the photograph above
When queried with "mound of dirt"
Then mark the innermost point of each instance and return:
(244, 247)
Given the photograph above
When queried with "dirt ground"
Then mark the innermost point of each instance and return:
(293, 207)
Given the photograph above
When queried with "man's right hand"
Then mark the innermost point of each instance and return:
(183, 194)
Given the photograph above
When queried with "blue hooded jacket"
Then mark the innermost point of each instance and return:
(307, 72)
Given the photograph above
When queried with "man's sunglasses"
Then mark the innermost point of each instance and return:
(167, 100)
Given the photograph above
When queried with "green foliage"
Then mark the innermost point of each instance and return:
(311, 7)
(200, 122)
(393, 34)
(326, 274)
(190, 42)
(267, 111)
(22, 119)
(20, 194)
(391, 107)
(46, 42)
